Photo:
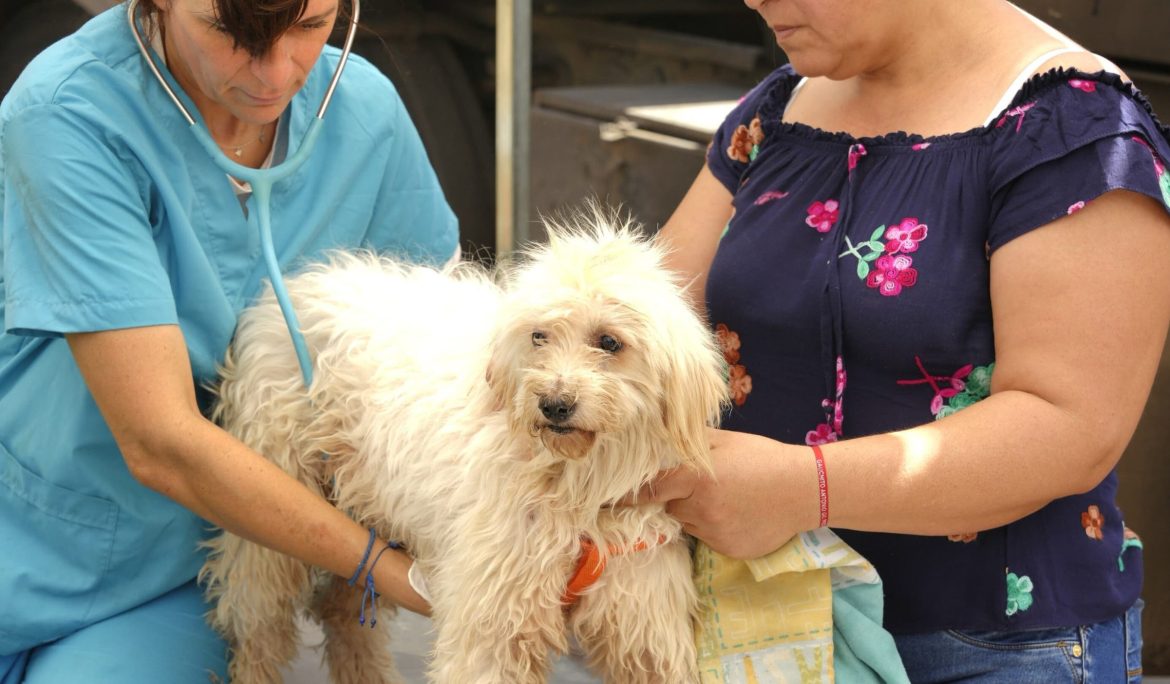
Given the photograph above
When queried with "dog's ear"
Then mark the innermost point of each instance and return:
(695, 390)
(507, 349)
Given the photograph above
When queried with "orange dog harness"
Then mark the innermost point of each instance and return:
(590, 565)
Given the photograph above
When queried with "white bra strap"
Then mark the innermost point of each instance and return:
(792, 95)
(1023, 76)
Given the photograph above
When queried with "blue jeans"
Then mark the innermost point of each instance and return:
(1108, 652)
(164, 640)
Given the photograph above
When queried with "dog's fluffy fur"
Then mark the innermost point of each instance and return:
(427, 399)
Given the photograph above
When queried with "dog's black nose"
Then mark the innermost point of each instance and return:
(557, 410)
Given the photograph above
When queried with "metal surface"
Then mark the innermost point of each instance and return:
(513, 85)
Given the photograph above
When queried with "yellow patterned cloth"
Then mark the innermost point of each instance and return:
(771, 619)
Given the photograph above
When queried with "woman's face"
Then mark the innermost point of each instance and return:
(224, 80)
(835, 38)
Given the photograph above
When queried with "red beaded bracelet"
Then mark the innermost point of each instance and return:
(822, 485)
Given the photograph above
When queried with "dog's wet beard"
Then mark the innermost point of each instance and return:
(570, 443)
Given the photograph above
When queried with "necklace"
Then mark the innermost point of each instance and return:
(238, 150)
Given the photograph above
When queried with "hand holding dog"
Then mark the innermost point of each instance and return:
(761, 494)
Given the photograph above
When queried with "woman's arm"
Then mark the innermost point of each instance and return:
(692, 233)
(142, 382)
(1079, 333)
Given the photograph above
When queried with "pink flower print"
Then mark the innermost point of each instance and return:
(905, 236)
(822, 215)
(856, 152)
(830, 430)
(891, 274)
(1086, 86)
(1076, 206)
(1158, 167)
(823, 434)
(918, 147)
(769, 196)
(946, 386)
(1016, 113)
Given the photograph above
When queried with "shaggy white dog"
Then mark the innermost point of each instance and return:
(487, 424)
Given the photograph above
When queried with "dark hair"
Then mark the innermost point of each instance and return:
(254, 25)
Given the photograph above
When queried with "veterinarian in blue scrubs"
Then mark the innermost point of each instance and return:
(127, 254)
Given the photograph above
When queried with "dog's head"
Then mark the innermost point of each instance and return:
(598, 344)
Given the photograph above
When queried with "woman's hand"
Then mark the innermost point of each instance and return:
(391, 577)
(761, 494)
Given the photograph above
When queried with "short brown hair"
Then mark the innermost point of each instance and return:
(254, 25)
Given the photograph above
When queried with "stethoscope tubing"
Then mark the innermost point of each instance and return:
(262, 180)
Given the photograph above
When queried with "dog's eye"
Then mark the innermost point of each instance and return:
(609, 343)
(538, 338)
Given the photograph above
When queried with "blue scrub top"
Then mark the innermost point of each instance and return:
(115, 217)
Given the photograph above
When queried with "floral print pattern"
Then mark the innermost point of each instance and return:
(887, 266)
(1159, 170)
(905, 236)
(1075, 207)
(822, 215)
(956, 391)
(830, 430)
(737, 376)
(1129, 540)
(1016, 113)
(892, 274)
(745, 141)
(1086, 86)
(1019, 593)
(1092, 520)
(856, 152)
(769, 196)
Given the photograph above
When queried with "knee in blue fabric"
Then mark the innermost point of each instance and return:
(164, 640)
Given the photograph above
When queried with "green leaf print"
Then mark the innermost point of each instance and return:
(877, 235)
(1164, 183)
(1019, 593)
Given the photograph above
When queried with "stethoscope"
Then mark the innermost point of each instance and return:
(262, 180)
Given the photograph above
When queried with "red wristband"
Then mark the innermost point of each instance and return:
(822, 485)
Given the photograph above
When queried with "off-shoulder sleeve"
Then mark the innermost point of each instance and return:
(1067, 140)
(731, 149)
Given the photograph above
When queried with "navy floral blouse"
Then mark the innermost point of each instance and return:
(850, 293)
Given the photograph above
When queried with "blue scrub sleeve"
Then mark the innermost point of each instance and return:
(411, 212)
(78, 249)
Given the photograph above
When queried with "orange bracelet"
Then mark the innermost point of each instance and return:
(822, 484)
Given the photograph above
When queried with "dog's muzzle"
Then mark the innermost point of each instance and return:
(558, 411)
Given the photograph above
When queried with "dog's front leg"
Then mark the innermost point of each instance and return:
(498, 627)
(636, 626)
(255, 592)
(356, 653)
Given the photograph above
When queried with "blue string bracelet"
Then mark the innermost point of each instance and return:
(365, 557)
(370, 595)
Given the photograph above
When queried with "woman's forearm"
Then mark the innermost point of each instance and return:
(990, 464)
(222, 480)
(141, 380)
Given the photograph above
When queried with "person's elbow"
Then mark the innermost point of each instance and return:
(156, 458)
(1103, 448)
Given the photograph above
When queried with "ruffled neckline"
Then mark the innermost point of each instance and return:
(772, 109)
